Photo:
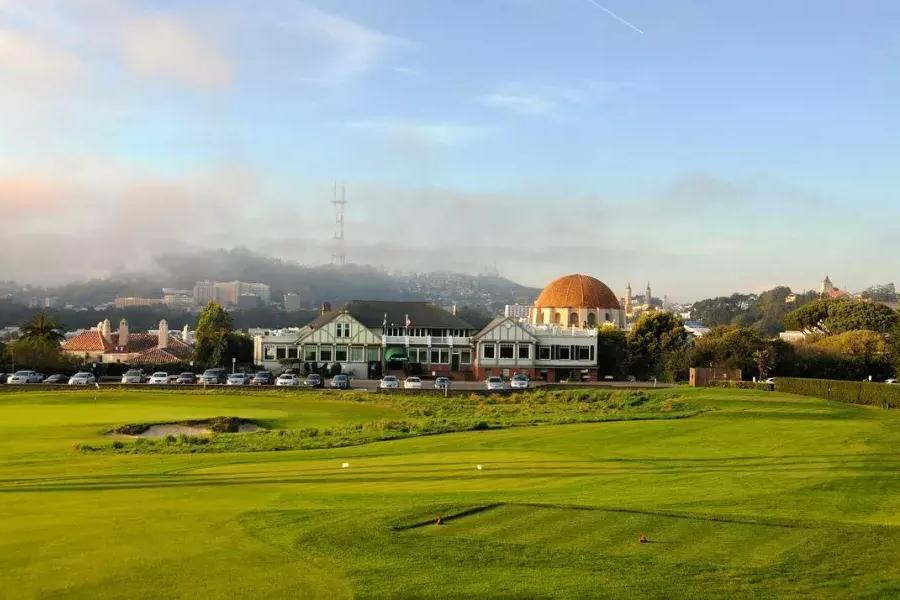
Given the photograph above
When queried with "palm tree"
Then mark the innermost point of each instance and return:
(43, 327)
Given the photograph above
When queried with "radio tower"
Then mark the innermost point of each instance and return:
(339, 256)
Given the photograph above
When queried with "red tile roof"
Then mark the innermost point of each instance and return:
(87, 341)
(176, 352)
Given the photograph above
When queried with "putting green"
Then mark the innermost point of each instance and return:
(762, 495)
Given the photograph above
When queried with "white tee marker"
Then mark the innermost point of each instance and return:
(478, 467)
(345, 465)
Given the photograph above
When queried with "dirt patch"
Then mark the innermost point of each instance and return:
(193, 428)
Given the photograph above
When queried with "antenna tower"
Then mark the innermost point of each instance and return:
(339, 256)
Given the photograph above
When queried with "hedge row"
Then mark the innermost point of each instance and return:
(851, 392)
(740, 385)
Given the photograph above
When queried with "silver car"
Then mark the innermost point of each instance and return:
(133, 376)
(82, 378)
(22, 377)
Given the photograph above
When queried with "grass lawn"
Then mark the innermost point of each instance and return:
(759, 495)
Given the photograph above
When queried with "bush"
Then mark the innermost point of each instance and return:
(851, 392)
(741, 385)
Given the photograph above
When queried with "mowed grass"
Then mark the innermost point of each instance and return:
(760, 495)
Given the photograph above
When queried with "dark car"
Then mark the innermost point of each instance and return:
(340, 382)
(186, 379)
(214, 376)
(314, 380)
(263, 378)
(3, 377)
(57, 379)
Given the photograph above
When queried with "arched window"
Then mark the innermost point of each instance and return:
(539, 319)
(557, 318)
(592, 320)
(608, 318)
(573, 319)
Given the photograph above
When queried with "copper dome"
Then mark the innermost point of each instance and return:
(577, 291)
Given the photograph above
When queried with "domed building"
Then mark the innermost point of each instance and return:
(579, 301)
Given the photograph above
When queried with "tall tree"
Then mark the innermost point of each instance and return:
(653, 343)
(612, 351)
(212, 336)
(43, 326)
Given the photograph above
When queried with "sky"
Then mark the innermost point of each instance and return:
(704, 146)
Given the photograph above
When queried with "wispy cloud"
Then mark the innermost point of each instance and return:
(343, 48)
(529, 105)
(429, 133)
(549, 100)
(30, 61)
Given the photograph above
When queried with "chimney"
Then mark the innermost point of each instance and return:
(163, 334)
(453, 310)
(326, 307)
(185, 335)
(106, 330)
(123, 333)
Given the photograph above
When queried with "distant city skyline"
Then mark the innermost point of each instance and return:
(706, 147)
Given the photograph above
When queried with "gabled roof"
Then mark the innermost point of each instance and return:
(496, 322)
(87, 341)
(371, 313)
(176, 352)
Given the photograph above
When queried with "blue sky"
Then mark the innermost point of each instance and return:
(705, 146)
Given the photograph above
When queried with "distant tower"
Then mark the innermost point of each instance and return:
(628, 299)
(339, 256)
(648, 297)
(827, 287)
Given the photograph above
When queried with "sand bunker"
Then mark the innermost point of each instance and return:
(193, 428)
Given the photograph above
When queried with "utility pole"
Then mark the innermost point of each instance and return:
(339, 255)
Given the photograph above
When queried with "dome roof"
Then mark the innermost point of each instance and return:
(577, 291)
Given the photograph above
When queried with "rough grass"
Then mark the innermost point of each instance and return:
(420, 415)
(760, 495)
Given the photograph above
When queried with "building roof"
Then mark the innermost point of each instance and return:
(87, 341)
(577, 291)
(372, 314)
(176, 352)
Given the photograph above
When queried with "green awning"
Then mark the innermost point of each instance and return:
(395, 353)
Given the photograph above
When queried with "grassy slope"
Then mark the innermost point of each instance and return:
(767, 495)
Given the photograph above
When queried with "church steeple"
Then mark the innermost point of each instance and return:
(648, 296)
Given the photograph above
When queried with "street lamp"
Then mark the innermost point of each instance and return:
(233, 361)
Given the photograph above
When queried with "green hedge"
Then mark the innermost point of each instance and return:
(851, 392)
(740, 385)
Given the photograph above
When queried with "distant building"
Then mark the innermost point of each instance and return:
(292, 302)
(248, 301)
(130, 302)
(103, 345)
(516, 311)
(178, 299)
(829, 290)
(205, 292)
(228, 293)
(792, 337)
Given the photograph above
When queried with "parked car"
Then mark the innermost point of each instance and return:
(389, 382)
(494, 383)
(263, 378)
(3, 377)
(173, 378)
(412, 383)
(519, 382)
(314, 380)
(213, 376)
(82, 378)
(159, 378)
(287, 379)
(770, 381)
(134, 376)
(340, 382)
(891, 381)
(238, 379)
(22, 377)
(442, 383)
(186, 378)
(57, 378)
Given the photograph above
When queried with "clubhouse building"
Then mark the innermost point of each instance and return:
(558, 339)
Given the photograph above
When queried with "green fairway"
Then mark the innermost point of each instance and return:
(757, 494)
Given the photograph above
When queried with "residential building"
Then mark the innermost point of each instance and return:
(516, 311)
(122, 346)
(228, 293)
(131, 302)
(178, 299)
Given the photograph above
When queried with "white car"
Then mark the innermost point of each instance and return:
(493, 383)
(20, 377)
(82, 378)
(133, 376)
(891, 381)
(519, 382)
(237, 379)
(159, 378)
(389, 382)
(287, 379)
(412, 383)
(770, 381)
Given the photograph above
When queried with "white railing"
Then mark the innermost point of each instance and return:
(425, 340)
(560, 331)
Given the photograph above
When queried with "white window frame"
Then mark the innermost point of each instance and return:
(507, 346)
(484, 351)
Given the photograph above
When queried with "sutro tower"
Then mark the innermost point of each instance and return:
(339, 256)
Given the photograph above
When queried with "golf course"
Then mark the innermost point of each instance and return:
(738, 494)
